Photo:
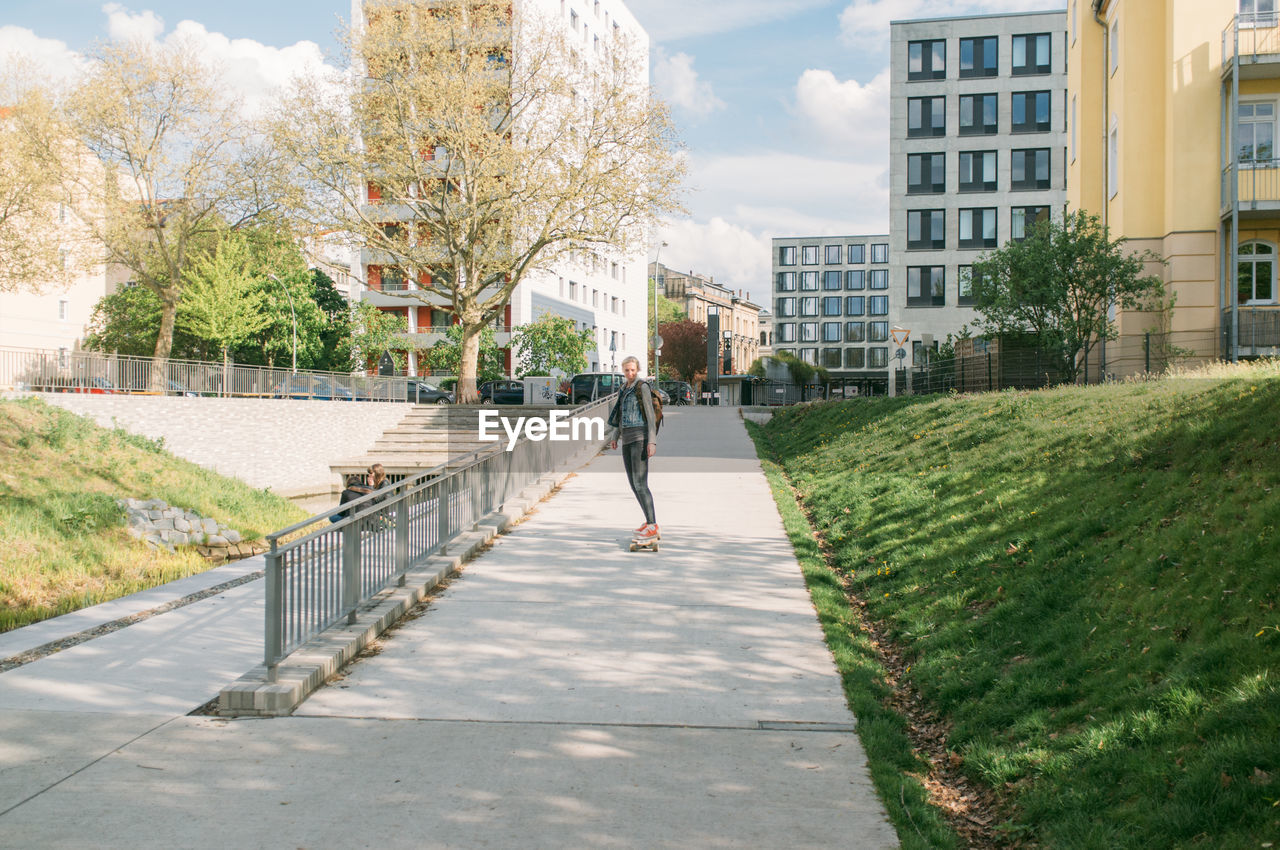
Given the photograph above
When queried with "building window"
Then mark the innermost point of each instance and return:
(878, 279)
(809, 306)
(879, 252)
(1075, 12)
(1030, 112)
(978, 57)
(857, 254)
(1115, 45)
(878, 305)
(926, 116)
(877, 358)
(1073, 128)
(809, 355)
(855, 358)
(787, 255)
(809, 255)
(978, 228)
(979, 115)
(64, 309)
(786, 307)
(926, 286)
(573, 20)
(831, 332)
(1257, 274)
(787, 332)
(926, 174)
(834, 254)
(809, 281)
(855, 279)
(1022, 218)
(1113, 159)
(964, 286)
(855, 331)
(831, 280)
(855, 305)
(1258, 13)
(1257, 131)
(1031, 54)
(877, 331)
(808, 331)
(831, 358)
(786, 281)
(926, 229)
(977, 171)
(831, 305)
(927, 60)
(1030, 169)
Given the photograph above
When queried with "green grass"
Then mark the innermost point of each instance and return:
(63, 543)
(1085, 583)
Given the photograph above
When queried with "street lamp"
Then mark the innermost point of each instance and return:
(294, 314)
(657, 346)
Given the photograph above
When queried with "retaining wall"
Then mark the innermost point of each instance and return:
(283, 444)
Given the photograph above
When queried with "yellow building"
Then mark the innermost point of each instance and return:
(1172, 108)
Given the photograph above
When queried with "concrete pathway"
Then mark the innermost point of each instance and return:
(563, 692)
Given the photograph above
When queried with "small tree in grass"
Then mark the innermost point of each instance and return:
(552, 343)
(1059, 284)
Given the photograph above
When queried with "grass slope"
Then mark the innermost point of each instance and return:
(63, 543)
(1085, 582)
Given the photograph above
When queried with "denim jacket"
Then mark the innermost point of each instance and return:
(645, 400)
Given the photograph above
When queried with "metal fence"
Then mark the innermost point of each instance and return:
(322, 577)
(94, 372)
(1250, 35)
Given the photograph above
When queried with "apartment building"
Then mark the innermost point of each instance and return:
(1173, 110)
(831, 302)
(603, 291)
(978, 118)
(698, 295)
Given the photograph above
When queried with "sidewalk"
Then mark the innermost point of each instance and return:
(562, 692)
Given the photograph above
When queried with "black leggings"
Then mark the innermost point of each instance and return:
(635, 458)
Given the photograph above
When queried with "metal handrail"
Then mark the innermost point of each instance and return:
(1259, 180)
(315, 580)
(1253, 25)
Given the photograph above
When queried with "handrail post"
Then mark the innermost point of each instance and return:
(351, 569)
(443, 485)
(274, 638)
(402, 538)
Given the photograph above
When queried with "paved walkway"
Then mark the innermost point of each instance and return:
(563, 692)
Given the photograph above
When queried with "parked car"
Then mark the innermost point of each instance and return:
(420, 392)
(589, 386)
(501, 392)
(679, 391)
(176, 388)
(307, 386)
(96, 386)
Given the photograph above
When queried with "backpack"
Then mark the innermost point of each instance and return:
(657, 406)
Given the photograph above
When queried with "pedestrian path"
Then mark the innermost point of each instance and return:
(561, 692)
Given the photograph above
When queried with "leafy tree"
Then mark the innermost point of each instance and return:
(221, 301)
(468, 163)
(285, 284)
(668, 311)
(552, 344)
(684, 348)
(446, 354)
(374, 332)
(1059, 284)
(335, 334)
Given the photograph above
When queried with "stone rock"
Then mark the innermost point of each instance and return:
(176, 538)
(181, 524)
(162, 524)
(210, 526)
(232, 535)
(217, 540)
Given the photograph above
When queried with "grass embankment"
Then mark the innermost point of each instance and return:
(63, 543)
(1084, 583)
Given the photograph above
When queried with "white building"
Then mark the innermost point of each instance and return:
(978, 149)
(605, 293)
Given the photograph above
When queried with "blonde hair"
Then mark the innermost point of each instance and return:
(632, 359)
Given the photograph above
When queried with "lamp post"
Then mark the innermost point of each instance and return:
(657, 345)
(294, 314)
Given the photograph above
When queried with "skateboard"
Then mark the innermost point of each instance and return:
(651, 544)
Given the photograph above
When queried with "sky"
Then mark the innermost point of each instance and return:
(782, 105)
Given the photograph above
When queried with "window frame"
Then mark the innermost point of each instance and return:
(983, 241)
(786, 255)
(927, 47)
(1253, 259)
(936, 220)
(855, 331)
(1033, 184)
(937, 182)
(1029, 125)
(839, 254)
(851, 275)
(828, 276)
(781, 281)
(861, 249)
(878, 279)
(984, 185)
(937, 286)
(1027, 69)
(979, 48)
(978, 103)
(1014, 219)
(931, 130)
(880, 249)
(964, 282)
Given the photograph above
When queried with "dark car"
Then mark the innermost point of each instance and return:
(307, 386)
(679, 391)
(589, 386)
(420, 392)
(501, 392)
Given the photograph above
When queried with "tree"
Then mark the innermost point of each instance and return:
(668, 311)
(1060, 284)
(374, 332)
(182, 165)
(29, 191)
(474, 144)
(552, 344)
(335, 334)
(221, 300)
(285, 283)
(446, 354)
(684, 348)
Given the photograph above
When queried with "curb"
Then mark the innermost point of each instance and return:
(310, 665)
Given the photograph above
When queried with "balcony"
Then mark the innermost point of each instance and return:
(1254, 39)
(1259, 187)
(1259, 331)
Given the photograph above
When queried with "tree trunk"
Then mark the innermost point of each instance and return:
(164, 341)
(468, 363)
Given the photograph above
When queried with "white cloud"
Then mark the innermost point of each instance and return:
(45, 57)
(678, 82)
(849, 116)
(733, 255)
(865, 23)
(123, 25)
(666, 20)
